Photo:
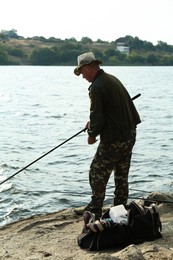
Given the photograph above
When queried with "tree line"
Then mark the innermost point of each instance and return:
(54, 51)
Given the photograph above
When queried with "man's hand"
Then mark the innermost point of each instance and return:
(87, 125)
(91, 140)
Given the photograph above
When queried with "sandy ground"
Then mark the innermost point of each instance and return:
(54, 236)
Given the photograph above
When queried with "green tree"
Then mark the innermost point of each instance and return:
(86, 40)
(45, 56)
(152, 59)
(3, 57)
(166, 60)
(9, 34)
(16, 52)
(135, 59)
(110, 52)
(163, 46)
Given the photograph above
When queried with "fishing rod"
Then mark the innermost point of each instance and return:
(39, 158)
(138, 95)
(83, 130)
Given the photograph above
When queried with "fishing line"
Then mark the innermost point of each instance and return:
(108, 195)
(144, 191)
(151, 200)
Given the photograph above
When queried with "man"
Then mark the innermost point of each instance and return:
(114, 118)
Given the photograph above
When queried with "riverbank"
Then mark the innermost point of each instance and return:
(53, 236)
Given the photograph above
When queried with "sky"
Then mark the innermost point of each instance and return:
(107, 20)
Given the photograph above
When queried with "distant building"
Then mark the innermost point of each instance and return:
(122, 48)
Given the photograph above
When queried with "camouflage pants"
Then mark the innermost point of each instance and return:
(114, 157)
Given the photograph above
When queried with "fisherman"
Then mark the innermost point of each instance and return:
(114, 118)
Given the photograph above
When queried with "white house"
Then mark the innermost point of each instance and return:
(122, 48)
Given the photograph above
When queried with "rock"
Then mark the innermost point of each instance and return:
(157, 252)
(54, 237)
(129, 253)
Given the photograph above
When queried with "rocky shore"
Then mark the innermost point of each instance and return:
(54, 236)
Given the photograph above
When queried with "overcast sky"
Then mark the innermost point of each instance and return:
(150, 20)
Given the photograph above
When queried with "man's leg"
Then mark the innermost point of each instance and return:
(121, 181)
(122, 171)
(98, 177)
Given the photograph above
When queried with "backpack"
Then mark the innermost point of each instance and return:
(143, 224)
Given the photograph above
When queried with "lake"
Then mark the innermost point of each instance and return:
(42, 106)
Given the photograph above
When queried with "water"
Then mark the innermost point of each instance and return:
(41, 107)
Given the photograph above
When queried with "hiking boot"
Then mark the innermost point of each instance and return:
(97, 211)
(81, 211)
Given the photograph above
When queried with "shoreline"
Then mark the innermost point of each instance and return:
(54, 236)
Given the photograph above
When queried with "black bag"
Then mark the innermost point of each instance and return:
(117, 236)
(143, 225)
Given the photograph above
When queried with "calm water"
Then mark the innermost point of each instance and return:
(40, 107)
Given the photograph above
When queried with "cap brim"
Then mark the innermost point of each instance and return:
(77, 71)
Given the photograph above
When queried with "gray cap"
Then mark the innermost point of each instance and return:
(85, 59)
